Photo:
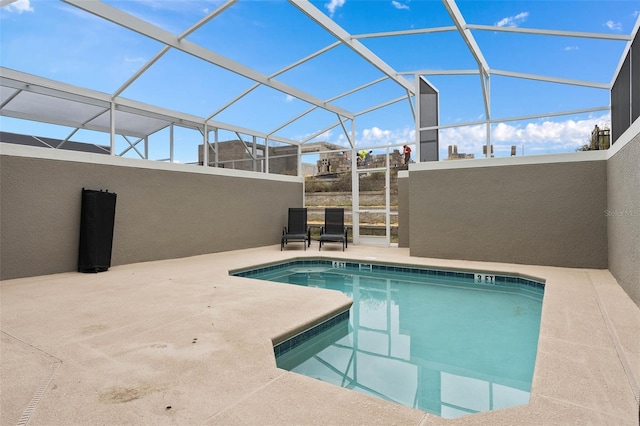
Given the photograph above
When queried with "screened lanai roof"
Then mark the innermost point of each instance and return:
(300, 71)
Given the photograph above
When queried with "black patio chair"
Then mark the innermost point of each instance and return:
(297, 229)
(333, 229)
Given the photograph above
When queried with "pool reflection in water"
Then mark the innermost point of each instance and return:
(443, 345)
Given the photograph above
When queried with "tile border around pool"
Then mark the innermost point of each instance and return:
(499, 280)
(292, 342)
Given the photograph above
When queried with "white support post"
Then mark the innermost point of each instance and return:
(488, 145)
(355, 191)
(215, 135)
(266, 155)
(171, 159)
(304, 181)
(254, 153)
(387, 197)
(112, 148)
(417, 118)
(205, 146)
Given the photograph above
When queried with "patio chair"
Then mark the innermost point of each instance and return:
(297, 229)
(333, 229)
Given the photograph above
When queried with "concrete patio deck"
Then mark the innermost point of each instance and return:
(180, 342)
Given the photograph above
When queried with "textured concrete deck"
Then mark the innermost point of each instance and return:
(181, 342)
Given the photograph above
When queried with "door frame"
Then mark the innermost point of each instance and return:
(356, 210)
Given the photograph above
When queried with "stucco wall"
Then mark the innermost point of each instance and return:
(403, 209)
(167, 212)
(623, 214)
(544, 211)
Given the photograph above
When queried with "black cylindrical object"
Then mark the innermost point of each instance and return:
(96, 230)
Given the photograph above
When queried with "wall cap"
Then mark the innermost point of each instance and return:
(570, 157)
(15, 150)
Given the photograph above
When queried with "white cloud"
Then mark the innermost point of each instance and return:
(20, 6)
(289, 98)
(324, 137)
(333, 5)
(540, 137)
(400, 6)
(376, 136)
(371, 137)
(513, 21)
(614, 26)
(569, 48)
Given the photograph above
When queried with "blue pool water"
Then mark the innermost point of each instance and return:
(448, 343)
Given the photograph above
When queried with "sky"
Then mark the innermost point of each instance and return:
(54, 40)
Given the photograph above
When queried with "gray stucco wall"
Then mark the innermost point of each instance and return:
(623, 217)
(547, 213)
(403, 210)
(160, 214)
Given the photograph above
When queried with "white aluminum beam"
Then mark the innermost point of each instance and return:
(552, 114)
(405, 32)
(297, 117)
(234, 100)
(338, 32)
(10, 97)
(146, 29)
(382, 105)
(65, 140)
(132, 146)
(277, 73)
(183, 119)
(20, 81)
(141, 71)
(411, 105)
(346, 132)
(468, 38)
(636, 28)
(442, 72)
(520, 118)
(165, 49)
(357, 89)
(83, 125)
(319, 132)
(44, 86)
(552, 79)
(364, 86)
(576, 34)
(470, 41)
(305, 59)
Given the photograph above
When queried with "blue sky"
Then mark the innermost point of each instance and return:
(54, 40)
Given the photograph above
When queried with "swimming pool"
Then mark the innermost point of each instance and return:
(447, 342)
